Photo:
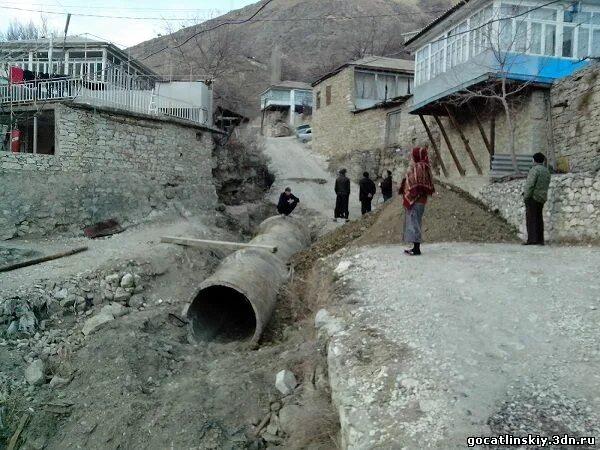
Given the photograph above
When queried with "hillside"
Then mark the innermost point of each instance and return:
(309, 37)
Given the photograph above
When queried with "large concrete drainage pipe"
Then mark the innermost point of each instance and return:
(237, 301)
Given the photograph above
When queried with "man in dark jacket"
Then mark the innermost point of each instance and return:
(366, 193)
(342, 191)
(535, 195)
(287, 202)
(386, 186)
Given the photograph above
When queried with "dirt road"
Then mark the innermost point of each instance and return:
(306, 173)
(467, 340)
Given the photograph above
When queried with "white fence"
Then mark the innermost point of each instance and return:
(101, 94)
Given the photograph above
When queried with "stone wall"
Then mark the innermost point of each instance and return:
(357, 140)
(106, 165)
(575, 115)
(572, 212)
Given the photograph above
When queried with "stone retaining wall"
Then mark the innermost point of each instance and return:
(106, 165)
(572, 212)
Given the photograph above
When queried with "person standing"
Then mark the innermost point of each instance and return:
(366, 192)
(386, 186)
(342, 191)
(415, 188)
(535, 195)
(287, 202)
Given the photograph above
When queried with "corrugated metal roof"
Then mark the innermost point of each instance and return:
(292, 85)
(382, 62)
(374, 62)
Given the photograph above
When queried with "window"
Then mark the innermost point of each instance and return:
(550, 40)
(318, 100)
(567, 41)
(327, 95)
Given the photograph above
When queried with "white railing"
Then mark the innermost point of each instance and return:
(101, 94)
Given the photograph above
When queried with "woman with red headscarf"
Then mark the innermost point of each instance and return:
(415, 188)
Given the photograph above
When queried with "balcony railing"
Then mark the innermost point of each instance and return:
(101, 94)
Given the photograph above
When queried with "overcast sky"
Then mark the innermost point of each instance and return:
(124, 32)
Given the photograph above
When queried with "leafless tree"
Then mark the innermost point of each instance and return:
(376, 37)
(507, 47)
(18, 31)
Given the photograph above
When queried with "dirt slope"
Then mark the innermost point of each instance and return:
(449, 217)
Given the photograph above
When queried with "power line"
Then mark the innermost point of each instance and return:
(294, 19)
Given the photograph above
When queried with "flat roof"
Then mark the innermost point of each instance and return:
(382, 63)
(73, 42)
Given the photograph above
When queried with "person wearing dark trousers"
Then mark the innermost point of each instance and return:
(535, 195)
(386, 186)
(366, 192)
(287, 202)
(342, 192)
(415, 188)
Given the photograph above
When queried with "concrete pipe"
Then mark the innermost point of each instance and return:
(237, 301)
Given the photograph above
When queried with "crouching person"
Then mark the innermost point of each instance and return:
(287, 202)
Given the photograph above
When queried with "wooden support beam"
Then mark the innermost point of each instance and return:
(449, 144)
(464, 139)
(482, 131)
(32, 262)
(434, 145)
(493, 132)
(207, 243)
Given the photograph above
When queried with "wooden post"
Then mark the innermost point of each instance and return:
(449, 144)
(482, 131)
(493, 132)
(434, 145)
(464, 139)
(209, 243)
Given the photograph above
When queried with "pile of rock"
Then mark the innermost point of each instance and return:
(29, 310)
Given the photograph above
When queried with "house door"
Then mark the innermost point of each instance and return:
(392, 129)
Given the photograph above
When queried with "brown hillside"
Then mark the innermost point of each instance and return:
(311, 37)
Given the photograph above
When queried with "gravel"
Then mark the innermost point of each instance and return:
(467, 340)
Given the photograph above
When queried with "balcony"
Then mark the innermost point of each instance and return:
(102, 94)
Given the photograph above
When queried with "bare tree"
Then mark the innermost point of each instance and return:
(18, 31)
(376, 37)
(506, 43)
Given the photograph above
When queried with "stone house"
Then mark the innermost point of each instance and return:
(80, 148)
(540, 54)
(358, 119)
(286, 102)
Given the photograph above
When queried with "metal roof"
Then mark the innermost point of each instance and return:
(291, 85)
(71, 42)
(382, 63)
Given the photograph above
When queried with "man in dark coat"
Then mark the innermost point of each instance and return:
(366, 193)
(342, 191)
(535, 195)
(386, 187)
(287, 202)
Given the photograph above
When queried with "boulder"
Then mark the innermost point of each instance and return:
(95, 323)
(285, 382)
(114, 309)
(57, 381)
(289, 417)
(127, 281)
(35, 374)
(27, 322)
(121, 295)
(136, 301)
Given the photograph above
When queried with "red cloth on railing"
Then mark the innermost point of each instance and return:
(16, 75)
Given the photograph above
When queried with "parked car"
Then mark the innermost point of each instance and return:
(305, 136)
(301, 129)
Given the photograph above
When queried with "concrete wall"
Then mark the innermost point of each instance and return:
(575, 116)
(572, 212)
(106, 165)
